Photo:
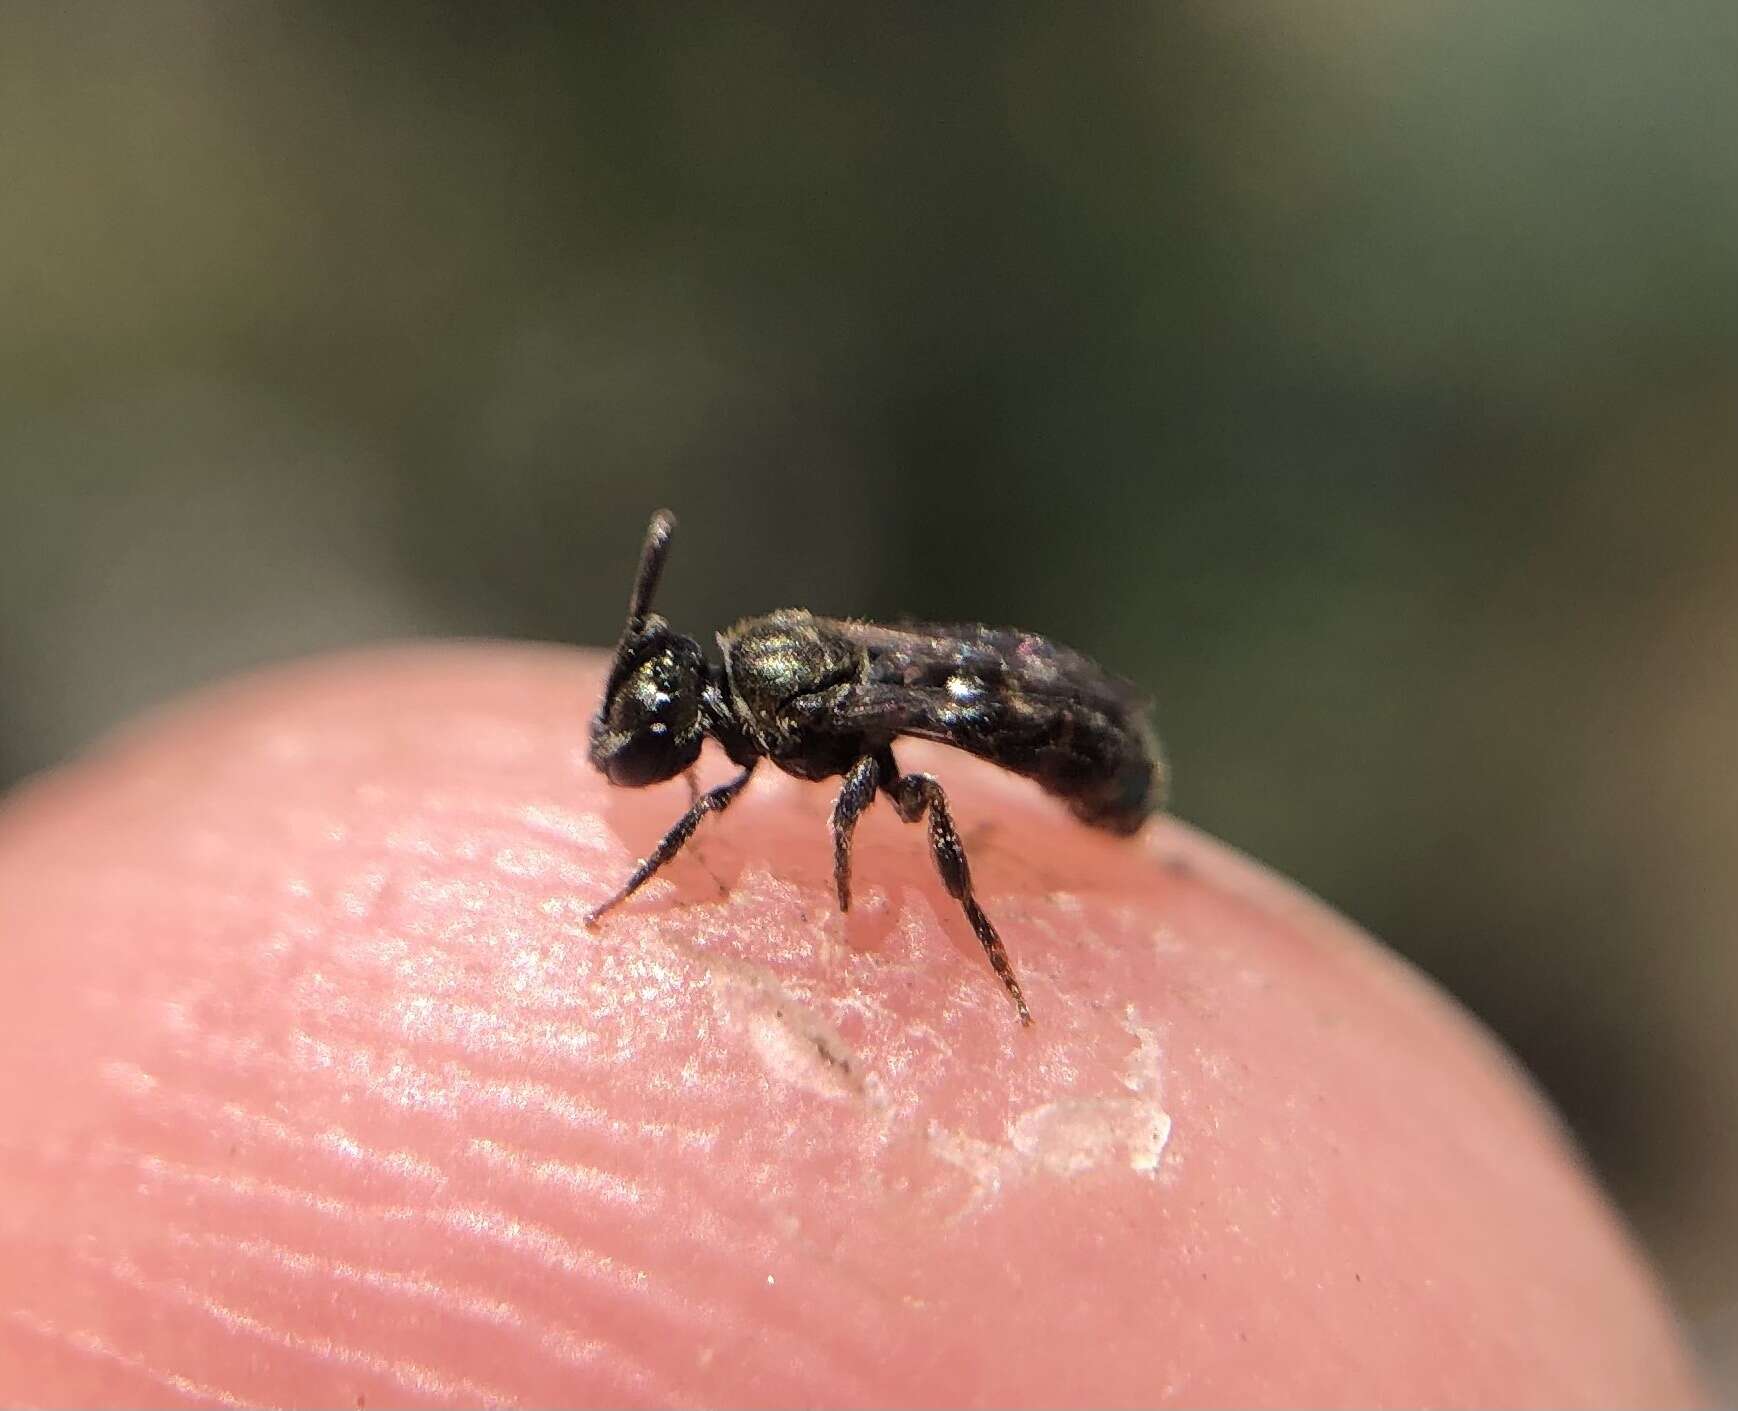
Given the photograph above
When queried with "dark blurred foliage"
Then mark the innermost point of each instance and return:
(1360, 378)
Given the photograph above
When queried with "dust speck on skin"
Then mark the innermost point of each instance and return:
(1067, 1138)
(793, 1042)
(1145, 1067)
(1073, 1135)
(985, 1162)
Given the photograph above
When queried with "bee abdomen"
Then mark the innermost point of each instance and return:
(1105, 766)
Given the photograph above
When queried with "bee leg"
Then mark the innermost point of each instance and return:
(856, 794)
(691, 778)
(915, 794)
(712, 801)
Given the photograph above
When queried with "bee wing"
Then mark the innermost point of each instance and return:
(1007, 728)
(878, 710)
(1013, 698)
(924, 655)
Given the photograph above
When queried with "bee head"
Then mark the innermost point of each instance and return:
(649, 727)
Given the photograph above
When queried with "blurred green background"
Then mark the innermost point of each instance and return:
(1361, 379)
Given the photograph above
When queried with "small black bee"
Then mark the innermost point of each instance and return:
(822, 696)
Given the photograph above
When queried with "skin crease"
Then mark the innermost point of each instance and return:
(315, 1089)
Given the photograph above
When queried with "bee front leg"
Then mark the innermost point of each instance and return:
(713, 801)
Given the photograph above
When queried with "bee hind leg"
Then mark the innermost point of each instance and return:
(916, 794)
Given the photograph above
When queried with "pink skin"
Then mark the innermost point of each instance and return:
(315, 1089)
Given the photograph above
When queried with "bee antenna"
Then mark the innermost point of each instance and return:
(652, 556)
